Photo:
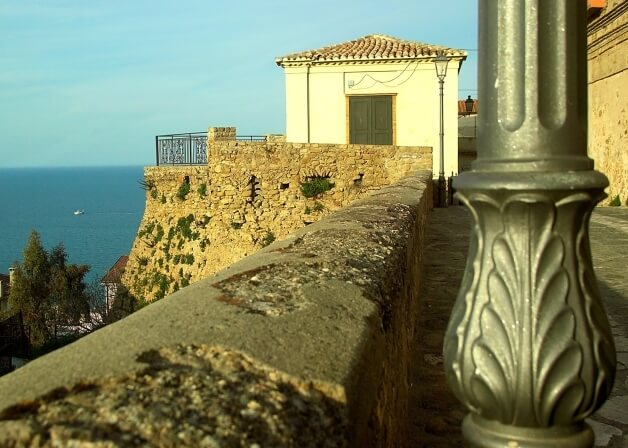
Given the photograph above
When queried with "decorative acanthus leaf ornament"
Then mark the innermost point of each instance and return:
(528, 343)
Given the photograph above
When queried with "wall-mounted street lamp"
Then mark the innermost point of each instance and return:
(441, 62)
(468, 105)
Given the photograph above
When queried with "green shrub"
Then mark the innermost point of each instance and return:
(160, 234)
(615, 202)
(202, 190)
(318, 207)
(146, 230)
(268, 239)
(146, 185)
(183, 226)
(183, 191)
(315, 186)
(153, 194)
(307, 210)
(163, 199)
(189, 259)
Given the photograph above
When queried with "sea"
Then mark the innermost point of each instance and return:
(45, 199)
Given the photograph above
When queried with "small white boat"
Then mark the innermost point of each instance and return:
(79, 212)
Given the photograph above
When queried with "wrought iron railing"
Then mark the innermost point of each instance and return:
(188, 148)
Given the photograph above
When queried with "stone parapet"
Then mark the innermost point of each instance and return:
(305, 343)
(218, 134)
(274, 138)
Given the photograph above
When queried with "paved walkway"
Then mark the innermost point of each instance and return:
(438, 416)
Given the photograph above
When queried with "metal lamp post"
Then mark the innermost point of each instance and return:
(441, 62)
(528, 348)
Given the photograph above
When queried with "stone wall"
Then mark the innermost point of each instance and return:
(248, 195)
(608, 101)
(305, 343)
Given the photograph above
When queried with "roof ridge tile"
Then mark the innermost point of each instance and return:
(372, 46)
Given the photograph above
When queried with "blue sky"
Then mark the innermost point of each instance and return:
(92, 82)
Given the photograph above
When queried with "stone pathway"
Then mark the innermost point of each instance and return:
(436, 419)
(438, 416)
(609, 246)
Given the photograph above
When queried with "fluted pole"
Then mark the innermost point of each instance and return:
(528, 348)
(442, 189)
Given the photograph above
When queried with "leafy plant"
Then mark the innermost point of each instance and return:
(163, 283)
(163, 199)
(318, 207)
(307, 210)
(202, 190)
(184, 226)
(146, 230)
(153, 194)
(189, 259)
(183, 191)
(146, 184)
(615, 202)
(315, 186)
(268, 239)
(160, 234)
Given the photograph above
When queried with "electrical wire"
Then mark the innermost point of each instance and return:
(387, 82)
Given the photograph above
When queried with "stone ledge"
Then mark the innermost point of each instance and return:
(305, 343)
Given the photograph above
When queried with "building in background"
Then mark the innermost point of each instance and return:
(373, 90)
(608, 101)
(113, 279)
(14, 348)
(5, 288)
(467, 133)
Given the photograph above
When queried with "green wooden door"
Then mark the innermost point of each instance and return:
(370, 120)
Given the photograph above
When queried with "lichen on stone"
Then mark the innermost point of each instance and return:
(186, 396)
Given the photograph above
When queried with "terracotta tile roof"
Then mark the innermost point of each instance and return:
(114, 275)
(374, 47)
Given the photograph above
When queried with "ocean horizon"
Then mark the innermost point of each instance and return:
(45, 199)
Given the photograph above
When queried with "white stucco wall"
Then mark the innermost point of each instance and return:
(416, 103)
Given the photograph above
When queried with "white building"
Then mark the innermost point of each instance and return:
(376, 89)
